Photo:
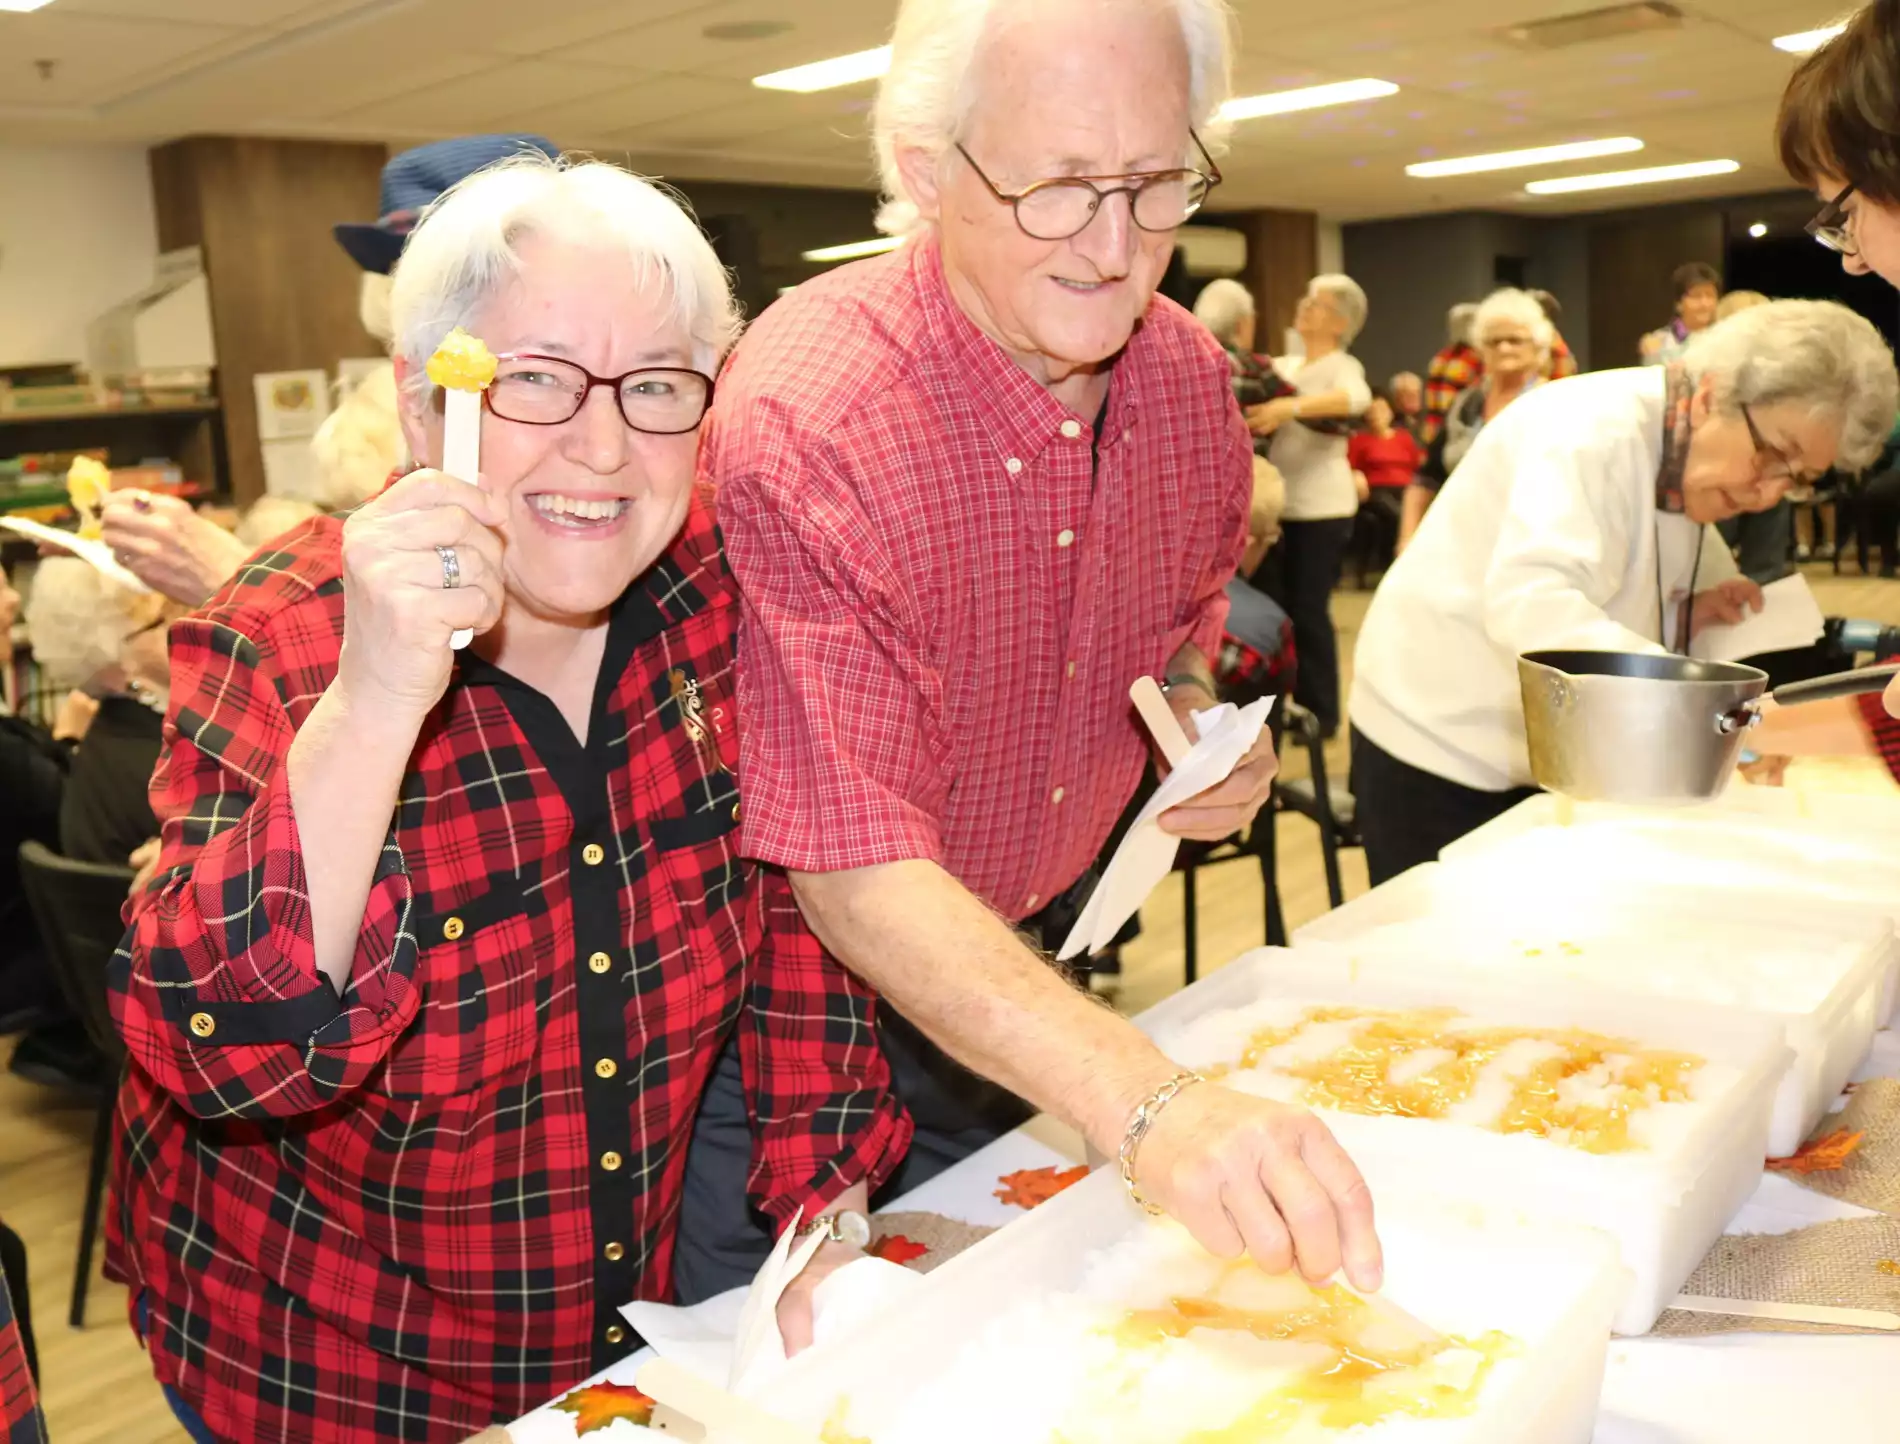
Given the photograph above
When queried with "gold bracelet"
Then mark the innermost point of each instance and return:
(1139, 1125)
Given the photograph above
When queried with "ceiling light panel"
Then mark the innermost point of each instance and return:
(1614, 180)
(853, 69)
(1312, 97)
(854, 250)
(1516, 159)
(1807, 42)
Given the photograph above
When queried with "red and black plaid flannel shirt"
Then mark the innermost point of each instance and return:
(1453, 371)
(20, 1419)
(411, 1211)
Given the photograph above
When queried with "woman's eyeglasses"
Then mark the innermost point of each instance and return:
(1834, 227)
(1771, 462)
(547, 391)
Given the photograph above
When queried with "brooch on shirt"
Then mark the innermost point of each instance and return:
(691, 701)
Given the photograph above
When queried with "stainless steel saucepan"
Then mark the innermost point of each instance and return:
(1637, 727)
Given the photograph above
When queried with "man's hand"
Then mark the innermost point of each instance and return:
(1227, 807)
(1270, 416)
(1245, 1175)
(795, 1304)
(1724, 604)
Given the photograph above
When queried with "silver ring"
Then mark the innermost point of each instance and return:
(451, 568)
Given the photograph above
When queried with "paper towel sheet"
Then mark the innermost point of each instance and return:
(1146, 854)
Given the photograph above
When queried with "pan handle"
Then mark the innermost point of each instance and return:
(1840, 684)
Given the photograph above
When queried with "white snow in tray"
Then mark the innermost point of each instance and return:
(1769, 970)
(1045, 1368)
(1731, 855)
(1660, 1131)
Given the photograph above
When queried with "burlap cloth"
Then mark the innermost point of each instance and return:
(941, 1238)
(1870, 1176)
(1854, 1264)
(1837, 1265)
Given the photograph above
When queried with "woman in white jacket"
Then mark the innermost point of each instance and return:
(1583, 518)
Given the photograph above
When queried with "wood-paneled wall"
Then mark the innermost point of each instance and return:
(1632, 257)
(1282, 256)
(283, 294)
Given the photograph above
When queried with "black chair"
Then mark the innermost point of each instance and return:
(1326, 803)
(76, 905)
(1256, 842)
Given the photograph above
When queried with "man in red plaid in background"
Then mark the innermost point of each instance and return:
(973, 490)
(1459, 366)
(443, 946)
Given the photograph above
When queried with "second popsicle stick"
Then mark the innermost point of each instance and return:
(1789, 1313)
(1152, 703)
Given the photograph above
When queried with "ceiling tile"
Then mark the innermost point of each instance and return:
(94, 59)
(249, 14)
(680, 44)
(479, 101)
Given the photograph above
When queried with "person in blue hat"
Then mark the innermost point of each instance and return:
(414, 180)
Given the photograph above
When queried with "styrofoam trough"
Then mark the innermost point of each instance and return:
(1755, 855)
(1822, 974)
(1005, 1343)
(1665, 1203)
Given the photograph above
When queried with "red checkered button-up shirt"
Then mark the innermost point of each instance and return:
(413, 1210)
(950, 583)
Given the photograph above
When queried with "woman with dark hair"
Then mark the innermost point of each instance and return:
(1698, 288)
(1839, 135)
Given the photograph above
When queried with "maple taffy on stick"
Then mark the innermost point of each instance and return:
(464, 368)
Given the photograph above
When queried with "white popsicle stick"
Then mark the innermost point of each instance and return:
(462, 457)
(1168, 734)
(725, 1415)
(1788, 1313)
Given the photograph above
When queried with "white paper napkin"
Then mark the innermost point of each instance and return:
(1789, 618)
(1146, 854)
(734, 1338)
(95, 554)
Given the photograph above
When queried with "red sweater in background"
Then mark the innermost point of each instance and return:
(1385, 460)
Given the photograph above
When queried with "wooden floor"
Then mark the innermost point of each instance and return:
(98, 1387)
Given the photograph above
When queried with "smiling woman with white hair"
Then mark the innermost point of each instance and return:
(993, 475)
(472, 927)
(1584, 517)
(1514, 336)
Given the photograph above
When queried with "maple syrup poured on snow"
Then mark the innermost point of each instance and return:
(1358, 1077)
(1367, 1365)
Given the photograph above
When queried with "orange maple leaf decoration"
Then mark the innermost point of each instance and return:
(1028, 1187)
(595, 1406)
(897, 1249)
(1823, 1155)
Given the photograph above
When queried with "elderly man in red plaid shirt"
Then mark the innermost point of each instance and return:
(972, 490)
(443, 946)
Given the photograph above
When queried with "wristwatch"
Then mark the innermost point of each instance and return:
(1188, 679)
(846, 1226)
